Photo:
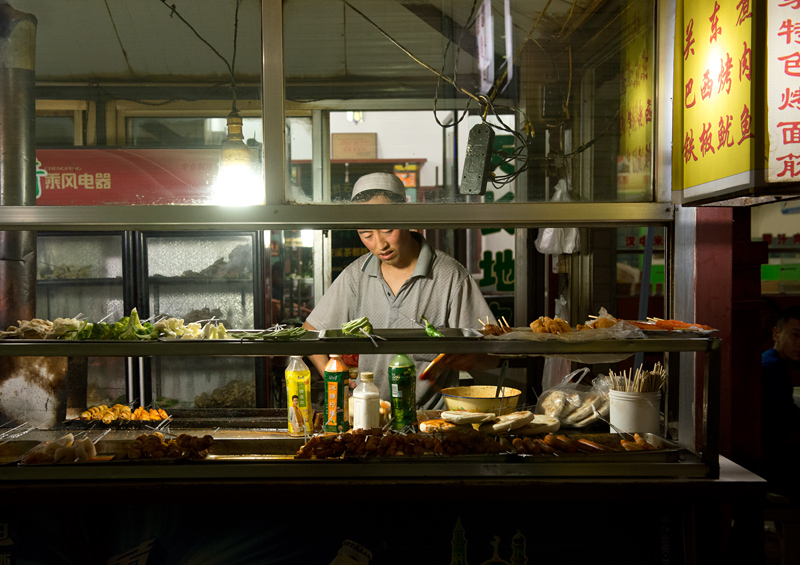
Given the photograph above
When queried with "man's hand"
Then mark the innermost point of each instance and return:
(458, 362)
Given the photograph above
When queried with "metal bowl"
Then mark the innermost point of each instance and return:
(481, 399)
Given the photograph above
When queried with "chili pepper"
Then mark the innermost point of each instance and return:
(430, 329)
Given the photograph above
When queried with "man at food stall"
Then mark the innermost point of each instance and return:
(401, 279)
(780, 416)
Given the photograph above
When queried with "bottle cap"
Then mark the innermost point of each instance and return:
(367, 376)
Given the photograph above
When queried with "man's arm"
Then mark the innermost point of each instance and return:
(319, 361)
(469, 305)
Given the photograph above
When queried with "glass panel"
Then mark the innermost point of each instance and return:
(581, 128)
(82, 275)
(778, 225)
(55, 131)
(79, 274)
(202, 277)
(291, 276)
(182, 63)
(187, 132)
(300, 151)
(198, 278)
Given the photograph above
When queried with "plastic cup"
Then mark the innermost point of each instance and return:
(636, 412)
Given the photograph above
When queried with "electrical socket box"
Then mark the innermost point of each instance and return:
(476, 162)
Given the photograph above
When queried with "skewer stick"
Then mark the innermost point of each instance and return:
(506, 322)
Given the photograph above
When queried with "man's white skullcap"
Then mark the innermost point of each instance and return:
(379, 181)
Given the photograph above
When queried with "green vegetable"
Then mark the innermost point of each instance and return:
(280, 334)
(430, 329)
(136, 331)
(354, 327)
(100, 330)
(84, 331)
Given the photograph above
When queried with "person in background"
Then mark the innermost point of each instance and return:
(401, 279)
(780, 416)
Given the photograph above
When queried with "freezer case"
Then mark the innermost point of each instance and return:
(202, 277)
(84, 275)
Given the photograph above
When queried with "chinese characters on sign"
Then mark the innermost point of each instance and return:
(90, 176)
(717, 94)
(634, 242)
(498, 272)
(783, 90)
(781, 239)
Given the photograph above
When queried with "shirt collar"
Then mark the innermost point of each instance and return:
(371, 266)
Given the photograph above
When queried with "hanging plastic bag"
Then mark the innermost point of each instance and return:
(555, 241)
(555, 367)
(574, 403)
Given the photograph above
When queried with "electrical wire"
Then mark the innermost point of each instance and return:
(230, 66)
(469, 23)
(407, 52)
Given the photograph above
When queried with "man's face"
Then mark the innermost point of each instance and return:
(787, 340)
(392, 247)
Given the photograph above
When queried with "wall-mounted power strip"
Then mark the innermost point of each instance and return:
(476, 162)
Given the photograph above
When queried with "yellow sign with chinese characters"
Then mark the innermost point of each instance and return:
(635, 160)
(714, 145)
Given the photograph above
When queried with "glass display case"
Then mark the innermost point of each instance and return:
(205, 278)
(86, 276)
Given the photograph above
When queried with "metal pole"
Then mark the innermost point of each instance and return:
(644, 286)
(17, 162)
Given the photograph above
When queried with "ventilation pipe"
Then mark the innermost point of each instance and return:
(17, 162)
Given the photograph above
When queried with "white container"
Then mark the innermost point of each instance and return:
(366, 404)
(636, 412)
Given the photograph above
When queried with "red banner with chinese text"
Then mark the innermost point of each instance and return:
(89, 177)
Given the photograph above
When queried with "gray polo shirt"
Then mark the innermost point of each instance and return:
(440, 289)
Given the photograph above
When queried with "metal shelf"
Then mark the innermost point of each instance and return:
(335, 216)
(57, 348)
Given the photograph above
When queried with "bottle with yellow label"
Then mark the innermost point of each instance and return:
(337, 381)
(298, 393)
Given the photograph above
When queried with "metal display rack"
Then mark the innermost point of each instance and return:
(700, 459)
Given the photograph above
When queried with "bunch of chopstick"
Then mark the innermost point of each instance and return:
(642, 381)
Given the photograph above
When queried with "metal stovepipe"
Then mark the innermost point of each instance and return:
(17, 162)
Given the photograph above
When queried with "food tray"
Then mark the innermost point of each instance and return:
(308, 336)
(227, 449)
(397, 334)
(668, 451)
(14, 451)
(118, 424)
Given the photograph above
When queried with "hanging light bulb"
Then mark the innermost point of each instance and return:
(237, 184)
(234, 152)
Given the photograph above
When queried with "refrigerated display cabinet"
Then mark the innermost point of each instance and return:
(202, 277)
(85, 275)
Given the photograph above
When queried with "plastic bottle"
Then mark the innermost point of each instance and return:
(337, 381)
(298, 394)
(352, 553)
(403, 381)
(350, 385)
(366, 404)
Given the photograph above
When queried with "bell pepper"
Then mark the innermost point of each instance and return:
(430, 329)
